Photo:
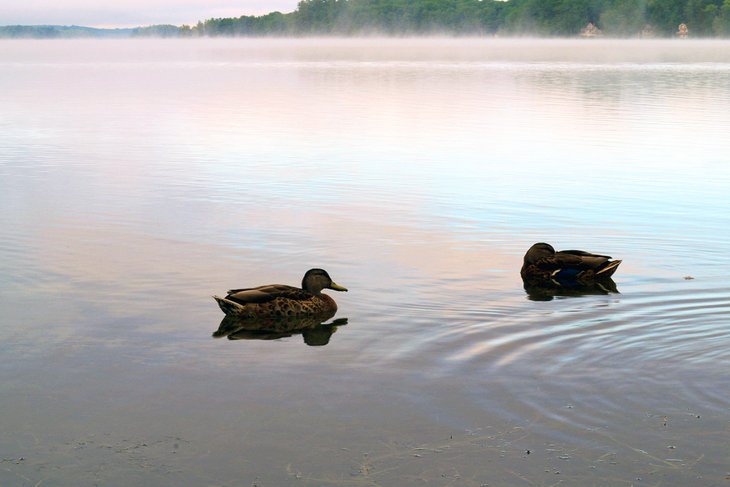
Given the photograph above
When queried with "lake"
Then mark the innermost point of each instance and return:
(140, 177)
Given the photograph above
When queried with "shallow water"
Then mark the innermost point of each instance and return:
(137, 178)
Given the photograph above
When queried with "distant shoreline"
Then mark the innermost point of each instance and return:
(60, 32)
(695, 19)
(78, 31)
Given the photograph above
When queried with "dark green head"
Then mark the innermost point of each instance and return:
(317, 279)
(539, 251)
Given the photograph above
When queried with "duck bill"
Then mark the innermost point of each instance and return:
(337, 287)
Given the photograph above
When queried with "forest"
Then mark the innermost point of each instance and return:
(618, 18)
(546, 18)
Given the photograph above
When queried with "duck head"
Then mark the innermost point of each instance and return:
(539, 251)
(317, 279)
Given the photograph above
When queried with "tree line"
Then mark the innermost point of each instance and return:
(620, 18)
(76, 31)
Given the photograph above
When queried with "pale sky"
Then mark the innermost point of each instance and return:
(126, 13)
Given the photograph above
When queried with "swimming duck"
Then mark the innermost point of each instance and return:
(282, 301)
(542, 262)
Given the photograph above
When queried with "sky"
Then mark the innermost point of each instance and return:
(126, 13)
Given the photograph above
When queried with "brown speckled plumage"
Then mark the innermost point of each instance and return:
(543, 262)
(281, 301)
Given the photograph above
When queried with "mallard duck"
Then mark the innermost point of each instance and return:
(542, 262)
(282, 301)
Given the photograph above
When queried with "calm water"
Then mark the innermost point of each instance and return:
(138, 178)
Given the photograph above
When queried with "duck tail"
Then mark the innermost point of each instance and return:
(229, 307)
(608, 269)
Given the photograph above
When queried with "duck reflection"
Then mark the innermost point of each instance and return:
(547, 289)
(314, 330)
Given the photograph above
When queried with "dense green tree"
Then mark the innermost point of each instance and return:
(700, 14)
(572, 15)
(318, 16)
(551, 17)
(624, 17)
(721, 24)
(665, 15)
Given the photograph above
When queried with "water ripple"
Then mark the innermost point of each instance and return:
(614, 333)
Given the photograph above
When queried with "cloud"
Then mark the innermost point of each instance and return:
(122, 13)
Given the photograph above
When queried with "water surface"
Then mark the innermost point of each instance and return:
(137, 178)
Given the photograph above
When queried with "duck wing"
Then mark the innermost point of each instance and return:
(583, 253)
(558, 261)
(263, 294)
(580, 259)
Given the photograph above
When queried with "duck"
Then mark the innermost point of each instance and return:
(281, 301)
(542, 262)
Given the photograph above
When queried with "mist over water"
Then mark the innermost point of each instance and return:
(138, 178)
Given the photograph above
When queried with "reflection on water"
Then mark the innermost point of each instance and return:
(137, 177)
(314, 330)
(545, 290)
